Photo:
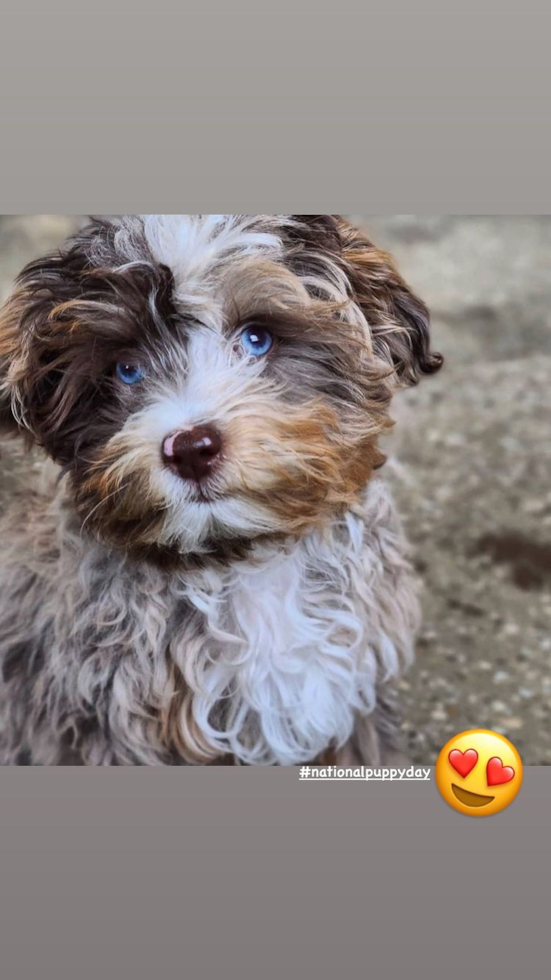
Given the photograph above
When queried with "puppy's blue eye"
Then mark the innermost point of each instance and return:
(129, 374)
(256, 341)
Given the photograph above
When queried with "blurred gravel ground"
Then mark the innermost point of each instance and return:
(473, 478)
(470, 464)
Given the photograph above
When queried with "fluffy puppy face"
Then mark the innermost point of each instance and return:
(208, 380)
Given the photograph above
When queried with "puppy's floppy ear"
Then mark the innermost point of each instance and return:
(11, 362)
(399, 321)
(29, 343)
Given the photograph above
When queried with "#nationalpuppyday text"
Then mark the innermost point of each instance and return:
(410, 774)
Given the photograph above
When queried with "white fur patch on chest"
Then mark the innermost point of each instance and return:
(296, 643)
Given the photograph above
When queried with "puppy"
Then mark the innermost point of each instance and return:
(209, 569)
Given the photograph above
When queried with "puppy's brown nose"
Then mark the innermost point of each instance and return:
(193, 453)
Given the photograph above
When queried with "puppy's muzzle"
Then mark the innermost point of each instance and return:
(193, 454)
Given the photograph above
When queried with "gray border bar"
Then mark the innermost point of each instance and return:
(251, 872)
(370, 113)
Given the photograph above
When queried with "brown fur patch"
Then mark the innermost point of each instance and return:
(255, 286)
(178, 730)
(303, 462)
(12, 359)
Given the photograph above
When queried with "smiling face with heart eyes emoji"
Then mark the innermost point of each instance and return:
(479, 772)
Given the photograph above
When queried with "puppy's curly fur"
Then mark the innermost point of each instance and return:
(256, 618)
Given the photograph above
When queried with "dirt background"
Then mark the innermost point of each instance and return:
(470, 463)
